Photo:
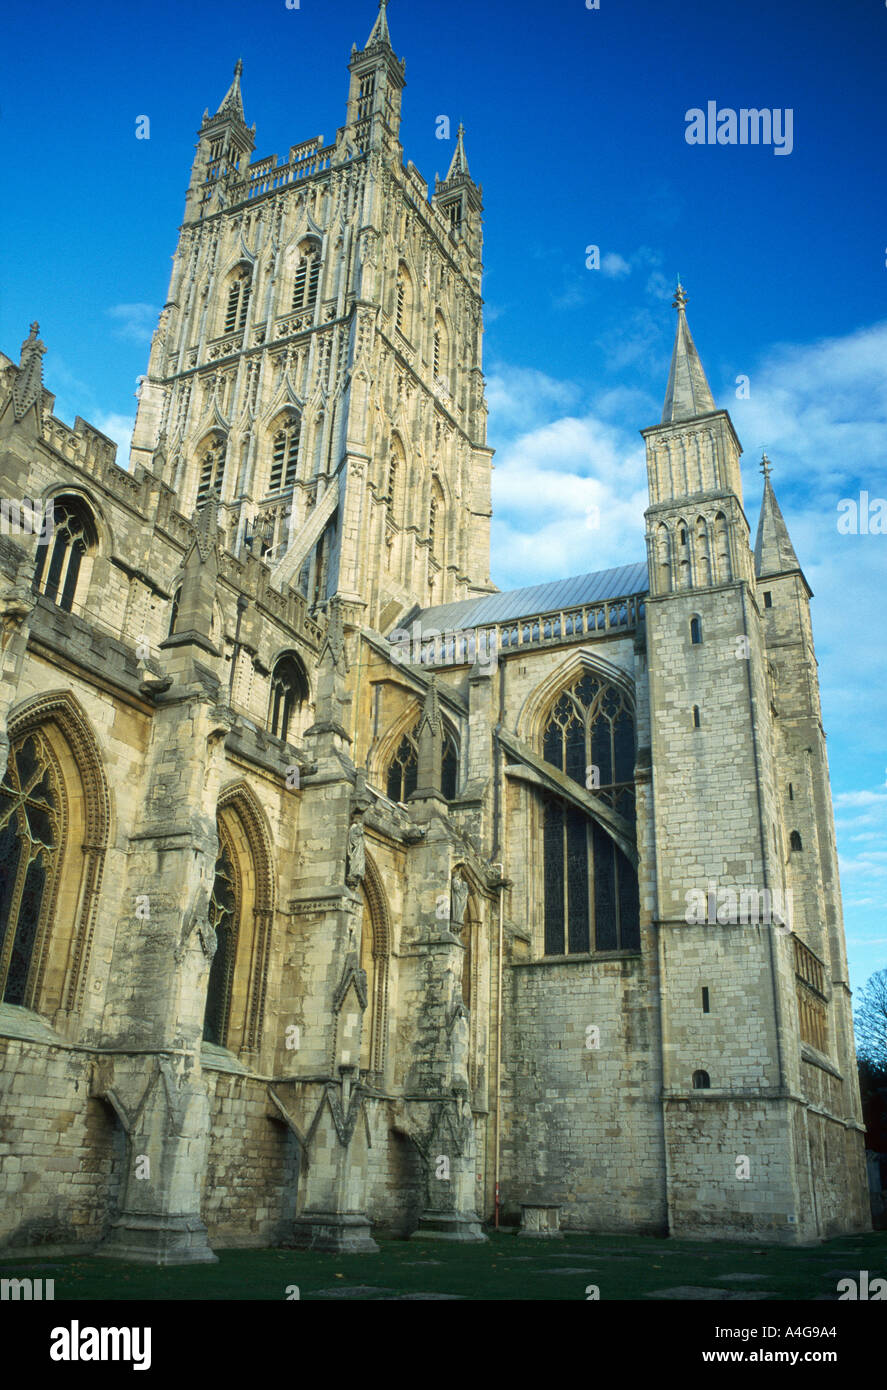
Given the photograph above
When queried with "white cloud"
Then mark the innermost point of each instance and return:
(119, 428)
(136, 322)
(614, 265)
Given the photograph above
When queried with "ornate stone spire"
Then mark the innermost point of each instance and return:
(379, 32)
(774, 552)
(688, 393)
(459, 166)
(29, 382)
(232, 102)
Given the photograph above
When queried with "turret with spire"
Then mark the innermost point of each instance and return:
(459, 198)
(224, 145)
(374, 95)
(697, 533)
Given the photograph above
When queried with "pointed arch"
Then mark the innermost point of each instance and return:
(375, 957)
(662, 554)
(440, 352)
(395, 481)
(535, 709)
(245, 865)
(723, 566)
(683, 554)
(234, 299)
(62, 943)
(285, 434)
(583, 723)
(65, 553)
(702, 556)
(403, 301)
(211, 453)
(306, 280)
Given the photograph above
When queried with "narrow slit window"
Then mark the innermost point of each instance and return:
(705, 1004)
(696, 719)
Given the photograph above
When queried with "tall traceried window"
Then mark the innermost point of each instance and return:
(289, 692)
(211, 477)
(440, 352)
(60, 556)
(30, 835)
(307, 281)
(365, 96)
(591, 887)
(395, 481)
(223, 918)
(237, 302)
(285, 453)
(403, 308)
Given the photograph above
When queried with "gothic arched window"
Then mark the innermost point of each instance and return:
(403, 770)
(60, 556)
(174, 611)
(795, 841)
(307, 279)
(440, 353)
(30, 835)
(289, 691)
(237, 303)
(403, 308)
(396, 468)
(701, 1081)
(223, 918)
(591, 888)
(695, 631)
(285, 453)
(212, 468)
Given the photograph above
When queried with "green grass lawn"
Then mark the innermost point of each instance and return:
(507, 1267)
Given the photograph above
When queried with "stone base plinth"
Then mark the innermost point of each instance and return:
(319, 1230)
(449, 1225)
(158, 1240)
(540, 1222)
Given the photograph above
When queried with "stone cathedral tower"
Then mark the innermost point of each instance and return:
(318, 362)
(341, 892)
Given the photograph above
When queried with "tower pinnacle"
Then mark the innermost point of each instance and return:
(688, 393)
(459, 164)
(232, 101)
(379, 32)
(774, 552)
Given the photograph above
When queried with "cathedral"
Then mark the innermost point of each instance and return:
(342, 893)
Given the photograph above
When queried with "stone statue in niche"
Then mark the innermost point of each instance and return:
(356, 866)
(458, 903)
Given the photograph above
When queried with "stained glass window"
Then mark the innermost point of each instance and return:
(223, 913)
(29, 847)
(591, 888)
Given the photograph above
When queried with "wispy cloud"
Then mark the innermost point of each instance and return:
(135, 322)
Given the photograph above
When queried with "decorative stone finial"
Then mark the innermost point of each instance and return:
(29, 382)
(766, 465)
(680, 298)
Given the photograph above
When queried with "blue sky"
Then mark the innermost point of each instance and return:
(575, 127)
